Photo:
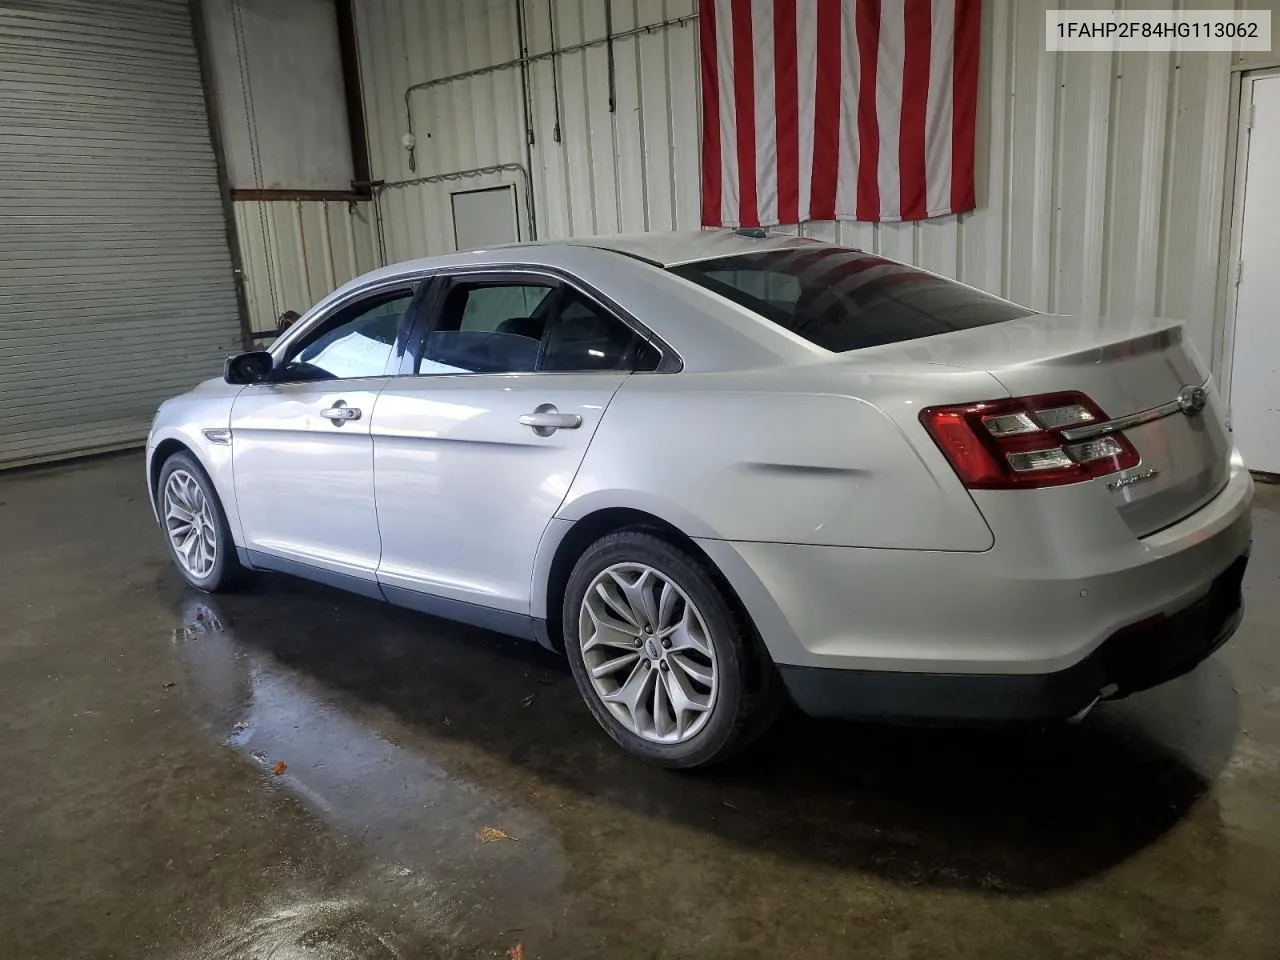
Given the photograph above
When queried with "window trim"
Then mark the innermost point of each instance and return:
(428, 315)
(295, 339)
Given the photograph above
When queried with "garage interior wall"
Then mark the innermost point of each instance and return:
(632, 169)
(277, 80)
(295, 252)
(1101, 177)
(116, 283)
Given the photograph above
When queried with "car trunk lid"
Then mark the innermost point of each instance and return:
(1135, 371)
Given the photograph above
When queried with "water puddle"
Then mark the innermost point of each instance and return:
(421, 829)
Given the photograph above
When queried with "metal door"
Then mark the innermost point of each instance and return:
(474, 455)
(469, 471)
(116, 287)
(303, 459)
(1255, 356)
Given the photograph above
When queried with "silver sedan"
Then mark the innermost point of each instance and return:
(722, 469)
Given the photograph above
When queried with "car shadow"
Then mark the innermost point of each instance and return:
(1005, 810)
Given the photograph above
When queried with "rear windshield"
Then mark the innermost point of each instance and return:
(846, 300)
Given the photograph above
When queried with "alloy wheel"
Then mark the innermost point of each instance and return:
(189, 522)
(648, 653)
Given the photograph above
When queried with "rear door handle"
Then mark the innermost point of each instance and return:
(546, 420)
(340, 413)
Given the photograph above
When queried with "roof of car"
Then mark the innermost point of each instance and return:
(666, 249)
(674, 247)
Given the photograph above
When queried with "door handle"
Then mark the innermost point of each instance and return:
(546, 420)
(340, 413)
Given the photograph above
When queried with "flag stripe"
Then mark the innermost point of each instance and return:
(915, 96)
(964, 117)
(807, 55)
(766, 113)
(711, 167)
(745, 104)
(787, 110)
(826, 113)
(729, 210)
(889, 59)
(868, 31)
(938, 119)
(847, 183)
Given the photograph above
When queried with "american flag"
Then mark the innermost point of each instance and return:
(837, 109)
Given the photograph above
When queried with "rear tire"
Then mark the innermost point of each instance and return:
(195, 526)
(664, 659)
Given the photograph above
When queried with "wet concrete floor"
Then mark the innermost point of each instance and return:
(141, 817)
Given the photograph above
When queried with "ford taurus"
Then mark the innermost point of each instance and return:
(718, 469)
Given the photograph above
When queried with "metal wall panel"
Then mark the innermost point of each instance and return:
(277, 76)
(1100, 177)
(116, 287)
(293, 252)
(592, 171)
(469, 124)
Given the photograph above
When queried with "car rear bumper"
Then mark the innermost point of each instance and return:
(1031, 623)
(1132, 659)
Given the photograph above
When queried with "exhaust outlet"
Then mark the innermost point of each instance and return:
(1105, 693)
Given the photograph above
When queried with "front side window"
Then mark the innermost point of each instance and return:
(357, 342)
(844, 299)
(525, 327)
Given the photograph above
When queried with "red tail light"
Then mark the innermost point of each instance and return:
(1018, 443)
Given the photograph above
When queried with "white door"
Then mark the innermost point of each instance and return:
(484, 218)
(302, 457)
(1255, 355)
(475, 453)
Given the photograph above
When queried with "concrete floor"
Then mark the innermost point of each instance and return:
(140, 817)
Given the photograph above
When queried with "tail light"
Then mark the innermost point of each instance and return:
(1018, 443)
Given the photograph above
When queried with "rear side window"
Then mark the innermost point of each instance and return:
(498, 326)
(845, 300)
(489, 328)
(582, 338)
(488, 308)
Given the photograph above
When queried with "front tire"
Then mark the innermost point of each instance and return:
(664, 659)
(195, 526)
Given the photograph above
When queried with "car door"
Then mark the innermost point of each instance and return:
(475, 450)
(302, 456)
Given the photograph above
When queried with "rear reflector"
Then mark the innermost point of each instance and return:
(1017, 443)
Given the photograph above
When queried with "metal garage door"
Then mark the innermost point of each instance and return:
(116, 286)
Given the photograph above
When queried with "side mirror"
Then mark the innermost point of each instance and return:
(244, 368)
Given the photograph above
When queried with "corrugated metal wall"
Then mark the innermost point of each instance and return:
(593, 171)
(293, 252)
(277, 79)
(1101, 177)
